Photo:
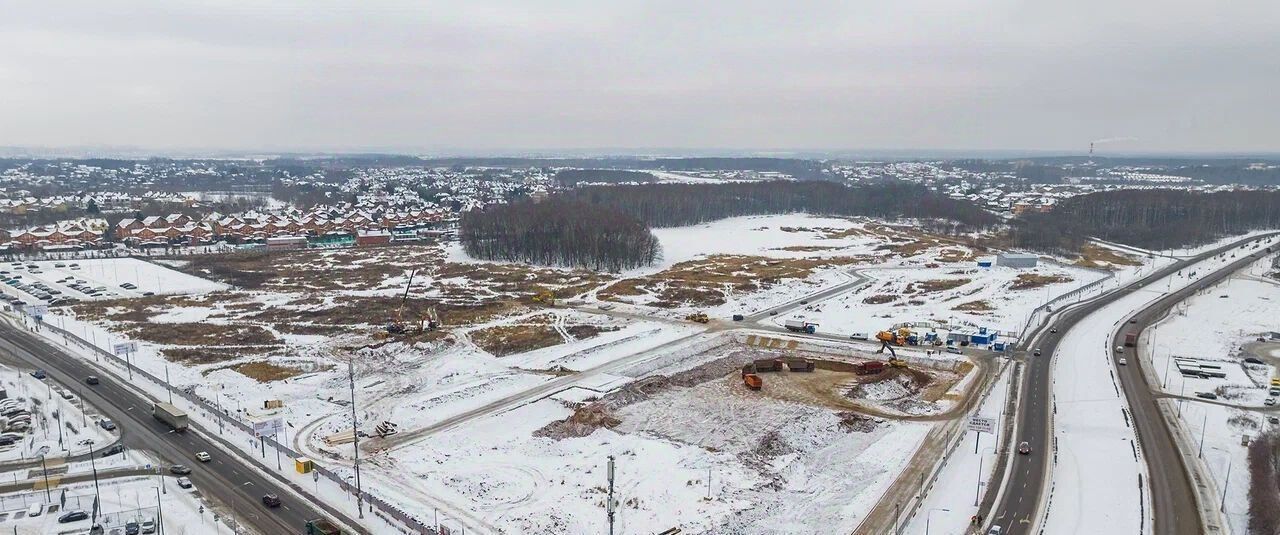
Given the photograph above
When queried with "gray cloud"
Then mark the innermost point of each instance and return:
(979, 74)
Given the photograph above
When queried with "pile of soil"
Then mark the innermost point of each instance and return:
(890, 385)
(581, 423)
(771, 444)
(853, 422)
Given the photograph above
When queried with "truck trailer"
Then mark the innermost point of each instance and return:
(801, 326)
(1130, 339)
(167, 413)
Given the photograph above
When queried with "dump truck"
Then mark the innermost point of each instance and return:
(868, 368)
(175, 417)
(801, 326)
(768, 365)
(321, 526)
(799, 364)
(752, 381)
(1130, 339)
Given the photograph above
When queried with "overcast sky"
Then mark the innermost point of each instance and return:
(532, 74)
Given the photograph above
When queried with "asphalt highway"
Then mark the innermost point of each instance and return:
(1172, 491)
(227, 479)
(1020, 501)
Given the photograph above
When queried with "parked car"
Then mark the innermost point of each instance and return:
(149, 526)
(184, 483)
(1253, 360)
(72, 516)
(107, 424)
(131, 528)
(114, 449)
(271, 500)
(1206, 395)
(39, 374)
(1270, 402)
(1024, 448)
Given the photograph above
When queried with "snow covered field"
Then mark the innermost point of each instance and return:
(467, 400)
(50, 412)
(136, 499)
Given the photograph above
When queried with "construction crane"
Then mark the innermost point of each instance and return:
(396, 326)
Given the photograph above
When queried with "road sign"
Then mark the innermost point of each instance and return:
(124, 347)
(982, 424)
(269, 427)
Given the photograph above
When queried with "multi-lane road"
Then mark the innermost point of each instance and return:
(227, 479)
(1020, 500)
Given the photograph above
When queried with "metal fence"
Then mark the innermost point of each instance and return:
(378, 506)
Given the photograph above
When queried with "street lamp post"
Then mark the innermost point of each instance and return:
(978, 490)
(927, 517)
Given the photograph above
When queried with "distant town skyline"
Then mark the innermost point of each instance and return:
(567, 77)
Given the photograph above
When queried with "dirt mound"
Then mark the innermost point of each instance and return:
(771, 444)
(890, 385)
(853, 422)
(581, 423)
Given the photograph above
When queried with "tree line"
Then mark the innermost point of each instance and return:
(1152, 218)
(559, 232)
(672, 205)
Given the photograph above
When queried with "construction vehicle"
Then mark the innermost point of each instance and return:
(797, 364)
(321, 526)
(396, 325)
(175, 417)
(799, 325)
(897, 362)
(699, 317)
(767, 365)
(545, 297)
(752, 381)
(1130, 339)
(887, 341)
(868, 368)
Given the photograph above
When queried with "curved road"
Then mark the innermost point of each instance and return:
(1021, 494)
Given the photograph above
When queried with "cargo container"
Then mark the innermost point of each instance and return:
(752, 381)
(795, 325)
(1130, 339)
(175, 417)
(799, 365)
(768, 365)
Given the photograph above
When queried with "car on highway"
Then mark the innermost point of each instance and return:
(91, 380)
(1119, 349)
(203, 457)
(271, 500)
(1054, 330)
(1036, 352)
(1024, 448)
(1133, 320)
(72, 516)
(1122, 361)
(1206, 395)
(114, 449)
(180, 469)
(185, 483)
(995, 530)
(107, 424)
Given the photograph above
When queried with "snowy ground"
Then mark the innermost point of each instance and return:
(50, 412)
(137, 498)
(107, 274)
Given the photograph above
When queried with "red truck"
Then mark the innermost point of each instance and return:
(1130, 339)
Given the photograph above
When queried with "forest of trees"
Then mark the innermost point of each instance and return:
(570, 177)
(1157, 219)
(559, 232)
(671, 205)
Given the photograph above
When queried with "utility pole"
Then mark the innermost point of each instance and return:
(612, 502)
(1223, 507)
(355, 435)
(167, 387)
(97, 496)
(160, 509)
(45, 469)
